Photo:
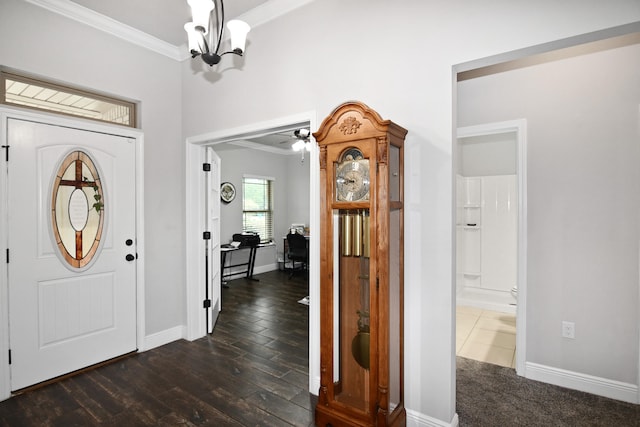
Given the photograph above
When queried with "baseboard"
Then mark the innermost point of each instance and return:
(163, 337)
(314, 385)
(416, 419)
(179, 332)
(265, 268)
(576, 381)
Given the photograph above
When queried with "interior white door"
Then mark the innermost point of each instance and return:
(213, 224)
(72, 242)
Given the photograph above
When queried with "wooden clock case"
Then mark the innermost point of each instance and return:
(361, 272)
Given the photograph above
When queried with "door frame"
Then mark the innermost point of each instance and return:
(195, 209)
(213, 291)
(137, 135)
(519, 127)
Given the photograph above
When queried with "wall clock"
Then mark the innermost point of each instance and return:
(227, 192)
(362, 269)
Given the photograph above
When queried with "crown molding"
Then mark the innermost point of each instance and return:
(269, 10)
(101, 22)
(266, 12)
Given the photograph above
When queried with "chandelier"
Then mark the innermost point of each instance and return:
(207, 28)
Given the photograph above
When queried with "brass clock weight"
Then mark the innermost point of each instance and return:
(362, 264)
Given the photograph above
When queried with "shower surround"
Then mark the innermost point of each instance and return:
(487, 241)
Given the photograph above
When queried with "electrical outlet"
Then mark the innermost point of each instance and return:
(568, 329)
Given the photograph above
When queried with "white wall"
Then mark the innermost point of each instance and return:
(493, 154)
(298, 189)
(36, 41)
(583, 156)
(397, 57)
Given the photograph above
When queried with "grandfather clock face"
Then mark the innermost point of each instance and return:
(352, 177)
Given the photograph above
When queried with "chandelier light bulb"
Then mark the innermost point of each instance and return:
(193, 35)
(238, 31)
(201, 12)
(298, 145)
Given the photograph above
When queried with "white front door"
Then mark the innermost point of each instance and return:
(72, 249)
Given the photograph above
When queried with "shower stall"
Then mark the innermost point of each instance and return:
(487, 222)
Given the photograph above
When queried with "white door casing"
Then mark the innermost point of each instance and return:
(61, 318)
(213, 225)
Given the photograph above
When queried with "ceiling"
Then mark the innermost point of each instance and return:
(165, 25)
(162, 19)
(277, 143)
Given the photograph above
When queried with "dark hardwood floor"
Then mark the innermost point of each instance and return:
(251, 371)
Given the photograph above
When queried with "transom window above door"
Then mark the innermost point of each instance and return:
(42, 95)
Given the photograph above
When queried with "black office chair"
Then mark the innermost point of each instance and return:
(297, 251)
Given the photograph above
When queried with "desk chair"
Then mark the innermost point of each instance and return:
(297, 251)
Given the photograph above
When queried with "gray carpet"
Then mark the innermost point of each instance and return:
(492, 396)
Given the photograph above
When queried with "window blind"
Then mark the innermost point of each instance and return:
(257, 207)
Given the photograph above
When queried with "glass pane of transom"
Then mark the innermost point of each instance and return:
(31, 93)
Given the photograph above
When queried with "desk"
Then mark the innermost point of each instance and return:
(224, 249)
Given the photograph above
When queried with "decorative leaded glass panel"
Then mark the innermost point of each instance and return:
(77, 209)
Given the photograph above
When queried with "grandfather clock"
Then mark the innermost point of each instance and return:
(361, 269)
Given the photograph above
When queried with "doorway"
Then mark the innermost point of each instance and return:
(581, 53)
(490, 233)
(196, 151)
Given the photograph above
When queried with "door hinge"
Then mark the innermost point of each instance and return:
(377, 283)
(206, 235)
(206, 167)
(206, 303)
(7, 255)
(6, 155)
(9, 356)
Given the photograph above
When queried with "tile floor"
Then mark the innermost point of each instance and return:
(487, 336)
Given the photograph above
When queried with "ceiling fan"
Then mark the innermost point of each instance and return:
(301, 141)
(298, 134)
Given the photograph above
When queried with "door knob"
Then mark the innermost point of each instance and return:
(130, 257)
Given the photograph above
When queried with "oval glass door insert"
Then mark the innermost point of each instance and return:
(77, 209)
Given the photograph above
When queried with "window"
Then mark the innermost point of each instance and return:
(42, 95)
(257, 207)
